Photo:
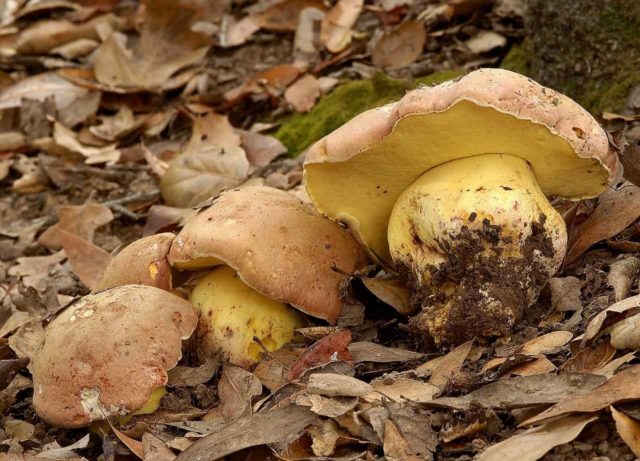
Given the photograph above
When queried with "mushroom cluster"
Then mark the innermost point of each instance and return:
(449, 185)
(447, 188)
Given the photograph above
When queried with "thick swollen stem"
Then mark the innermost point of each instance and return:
(478, 240)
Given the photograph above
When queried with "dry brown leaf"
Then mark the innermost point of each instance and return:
(591, 358)
(523, 391)
(372, 352)
(331, 407)
(303, 93)
(87, 260)
(534, 443)
(34, 270)
(8, 396)
(33, 179)
(211, 162)
(167, 45)
(284, 16)
(192, 376)
(236, 389)
(11, 141)
(335, 31)
(324, 435)
(401, 47)
(81, 220)
(547, 343)
(307, 38)
(134, 445)
(67, 139)
(616, 210)
(40, 87)
(565, 293)
(76, 48)
(114, 127)
(612, 312)
(276, 426)
(271, 81)
(26, 341)
(625, 334)
(485, 41)
(628, 428)
(261, 149)
(622, 387)
(539, 366)
(395, 446)
(391, 291)
(155, 449)
(402, 389)
(8, 370)
(165, 218)
(622, 274)
(334, 385)
(449, 365)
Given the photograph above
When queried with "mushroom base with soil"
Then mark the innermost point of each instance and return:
(478, 240)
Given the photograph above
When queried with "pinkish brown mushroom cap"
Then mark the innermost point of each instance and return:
(279, 245)
(356, 173)
(143, 262)
(105, 354)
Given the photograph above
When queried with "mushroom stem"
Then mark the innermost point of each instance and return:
(478, 240)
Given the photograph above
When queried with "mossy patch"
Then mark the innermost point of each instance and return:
(299, 131)
(587, 49)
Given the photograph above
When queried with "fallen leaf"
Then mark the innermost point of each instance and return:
(610, 368)
(67, 452)
(114, 127)
(485, 41)
(285, 14)
(335, 31)
(192, 376)
(334, 385)
(271, 81)
(26, 341)
(547, 343)
(67, 139)
(303, 93)
(76, 48)
(622, 387)
(236, 390)
(402, 389)
(372, 352)
(155, 449)
(617, 209)
(622, 274)
(165, 218)
(628, 428)
(261, 149)
(565, 293)
(541, 365)
(134, 445)
(324, 435)
(331, 407)
(625, 334)
(332, 347)
(12, 141)
(391, 291)
(87, 260)
(34, 270)
(307, 37)
(401, 47)
(395, 446)
(449, 365)
(591, 358)
(8, 396)
(534, 443)
(276, 426)
(523, 392)
(605, 317)
(81, 220)
(415, 425)
(167, 45)
(8, 370)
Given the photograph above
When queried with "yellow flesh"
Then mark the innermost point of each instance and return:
(363, 190)
(153, 403)
(232, 313)
(498, 188)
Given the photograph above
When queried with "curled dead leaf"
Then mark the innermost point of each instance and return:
(335, 31)
(401, 47)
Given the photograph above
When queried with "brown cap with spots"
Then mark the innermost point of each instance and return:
(278, 244)
(107, 352)
(143, 262)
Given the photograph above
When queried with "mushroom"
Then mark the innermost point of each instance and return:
(108, 354)
(448, 186)
(143, 262)
(283, 251)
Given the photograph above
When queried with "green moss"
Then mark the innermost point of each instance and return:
(299, 131)
(516, 60)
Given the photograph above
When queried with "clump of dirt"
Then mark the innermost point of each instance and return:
(488, 292)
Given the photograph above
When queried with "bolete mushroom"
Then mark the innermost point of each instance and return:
(283, 251)
(108, 354)
(449, 186)
(143, 262)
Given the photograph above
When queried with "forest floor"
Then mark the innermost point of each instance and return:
(97, 100)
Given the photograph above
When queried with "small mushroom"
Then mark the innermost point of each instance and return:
(143, 262)
(283, 252)
(108, 354)
(449, 186)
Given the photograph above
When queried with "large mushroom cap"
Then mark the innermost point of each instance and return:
(106, 353)
(278, 244)
(356, 173)
(143, 262)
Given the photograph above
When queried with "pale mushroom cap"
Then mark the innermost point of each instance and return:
(356, 173)
(279, 245)
(143, 262)
(107, 352)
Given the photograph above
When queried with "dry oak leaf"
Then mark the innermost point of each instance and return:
(392, 292)
(622, 387)
(401, 47)
(614, 312)
(396, 448)
(616, 210)
(303, 93)
(81, 220)
(40, 87)
(236, 389)
(449, 365)
(534, 443)
(87, 260)
(590, 359)
(335, 31)
(628, 428)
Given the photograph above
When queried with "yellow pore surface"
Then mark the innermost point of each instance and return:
(232, 313)
(363, 190)
(499, 188)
